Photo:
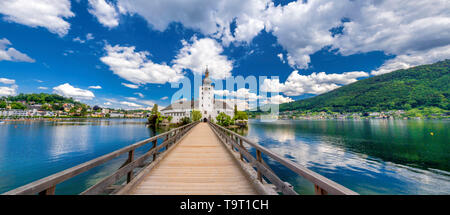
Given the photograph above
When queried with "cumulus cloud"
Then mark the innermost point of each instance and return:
(11, 54)
(105, 13)
(49, 14)
(140, 95)
(278, 99)
(89, 36)
(302, 28)
(242, 93)
(211, 18)
(8, 91)
(136, 67)
(95, 87)
(316, 83)
(199, 54)
(130, 104)
(132, 86)
(68, 90)
(413, 59)
(7, 81)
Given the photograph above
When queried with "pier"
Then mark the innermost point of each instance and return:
(195, 159)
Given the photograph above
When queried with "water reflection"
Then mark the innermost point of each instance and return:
(33, 150)
(370, 157)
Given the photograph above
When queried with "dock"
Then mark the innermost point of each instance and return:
(194, 159)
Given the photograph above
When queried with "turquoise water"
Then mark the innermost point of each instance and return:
(33, 150)
(369, 157)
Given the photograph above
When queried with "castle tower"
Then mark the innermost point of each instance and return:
(206, 98)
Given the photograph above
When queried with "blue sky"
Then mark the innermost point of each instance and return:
(72, 47)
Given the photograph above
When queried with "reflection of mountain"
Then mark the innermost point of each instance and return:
(375, 150)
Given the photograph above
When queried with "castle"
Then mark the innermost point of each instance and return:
(206, 104)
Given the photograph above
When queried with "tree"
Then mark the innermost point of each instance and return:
(223, 119)
(155, 118)
(169, 118)
(196, 115)
(185, 120)
(18, 106)
(2, 104)
(240, 115)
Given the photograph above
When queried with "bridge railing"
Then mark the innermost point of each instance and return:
(322, 185)
(47, 185)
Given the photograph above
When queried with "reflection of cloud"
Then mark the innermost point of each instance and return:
(324, 154)
(68, 139)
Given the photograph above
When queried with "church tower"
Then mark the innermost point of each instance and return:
(206, 100)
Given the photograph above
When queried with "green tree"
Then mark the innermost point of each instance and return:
(2, 104)
(196, 115)
(240, 115)
(18, 105)
(223, 119)
(185, 120)
(155, 118)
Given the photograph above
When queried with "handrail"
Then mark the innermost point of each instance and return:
(47, 185)
(322, 184)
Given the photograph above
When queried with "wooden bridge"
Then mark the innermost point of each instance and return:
(195, 159)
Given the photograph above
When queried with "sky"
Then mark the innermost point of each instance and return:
(131, 53)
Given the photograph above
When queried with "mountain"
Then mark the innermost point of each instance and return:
(417, 87)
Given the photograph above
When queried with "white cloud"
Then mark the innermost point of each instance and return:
(242, 93)
(105, 12)
(201, 53)
(413, 59)
(136, 67)
(49, 14)
(140, 95)
(278, 99)
(8, 91)
(303, 28)
(7, 81)
(68, 90)
(89, 36)
(131, 98)
(164, 98)
(281, 56)
(407, 29)
(95, 87)
(132, 86)
(210, 17)
(79, 40)
(11, 54)
(316, 83)
(43, 88)
(130, 104)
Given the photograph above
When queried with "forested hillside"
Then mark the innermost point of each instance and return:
(418, 87)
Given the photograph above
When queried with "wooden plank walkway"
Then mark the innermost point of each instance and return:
(198, 165)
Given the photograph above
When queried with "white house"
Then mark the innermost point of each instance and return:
(206, 104)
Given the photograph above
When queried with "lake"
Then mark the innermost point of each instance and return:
(367, 156)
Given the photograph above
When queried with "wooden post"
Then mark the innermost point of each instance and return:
(242, 148)
(319, 191)
(48, 191)
(155, 142)
(259, 159)
(130, 159)
(231, 144)
(167, 138)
